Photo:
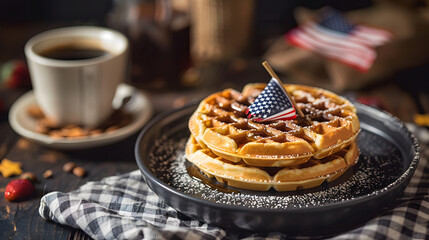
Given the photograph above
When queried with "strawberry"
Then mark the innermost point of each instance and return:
(19, 189)
(15, 74)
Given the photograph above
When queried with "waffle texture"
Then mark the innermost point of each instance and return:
(307, 175)
(220, 124)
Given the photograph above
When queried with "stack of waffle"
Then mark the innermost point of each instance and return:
(284, 155)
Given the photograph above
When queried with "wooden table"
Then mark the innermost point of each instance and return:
(22, 220)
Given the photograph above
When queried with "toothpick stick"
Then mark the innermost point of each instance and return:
(274, 75)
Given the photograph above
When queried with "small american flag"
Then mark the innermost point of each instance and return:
(272, 104)
(336, 38)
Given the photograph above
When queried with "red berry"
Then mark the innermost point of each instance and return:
(19, 189)
(15, 74)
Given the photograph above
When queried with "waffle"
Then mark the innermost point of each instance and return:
(240, 175)
(220, 124)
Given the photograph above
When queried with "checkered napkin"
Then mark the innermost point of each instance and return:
(123, 207)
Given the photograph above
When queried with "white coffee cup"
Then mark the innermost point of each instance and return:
(77, 91)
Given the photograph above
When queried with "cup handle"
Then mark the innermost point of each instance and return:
(90, 83)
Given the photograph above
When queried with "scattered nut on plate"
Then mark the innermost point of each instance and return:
(79, 171)
(47, 126)
(47, 174)
(69, 166)
(28, 175)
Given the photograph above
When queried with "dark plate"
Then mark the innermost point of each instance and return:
(388, 158)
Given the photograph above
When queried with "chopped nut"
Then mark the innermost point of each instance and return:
(69, 166)
(35, 111)
(50, 127)
(41, 128)
(48, 123)
(28, 175)
(70, 126)
(79, 171)
(95, 132)
(47, 174)
(55, 134)
(112, 128)
(23, 143)
(77, 132)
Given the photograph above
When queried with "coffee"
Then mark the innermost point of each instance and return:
(73, 52)
(71, 90)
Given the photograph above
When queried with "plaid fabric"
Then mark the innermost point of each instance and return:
(123, 207)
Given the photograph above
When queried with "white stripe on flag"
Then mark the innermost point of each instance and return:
(375, 36)
(342, 54)
(338, 41)
(288, 111)
(283, 117)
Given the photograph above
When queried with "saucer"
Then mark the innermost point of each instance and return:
(137, 105)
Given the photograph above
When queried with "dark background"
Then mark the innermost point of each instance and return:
(21, 19)
(272, 17)
(277, 11)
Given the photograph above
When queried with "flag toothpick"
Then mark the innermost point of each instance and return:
(274, 75)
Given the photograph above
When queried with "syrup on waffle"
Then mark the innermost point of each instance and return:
(240, 175)
(220, 124)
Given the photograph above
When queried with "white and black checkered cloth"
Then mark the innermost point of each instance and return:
(123, 207)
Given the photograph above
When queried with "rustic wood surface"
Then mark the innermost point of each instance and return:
(22, 220)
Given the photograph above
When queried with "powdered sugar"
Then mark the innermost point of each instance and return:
(380, 164)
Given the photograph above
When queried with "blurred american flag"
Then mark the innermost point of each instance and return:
(336, 38)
